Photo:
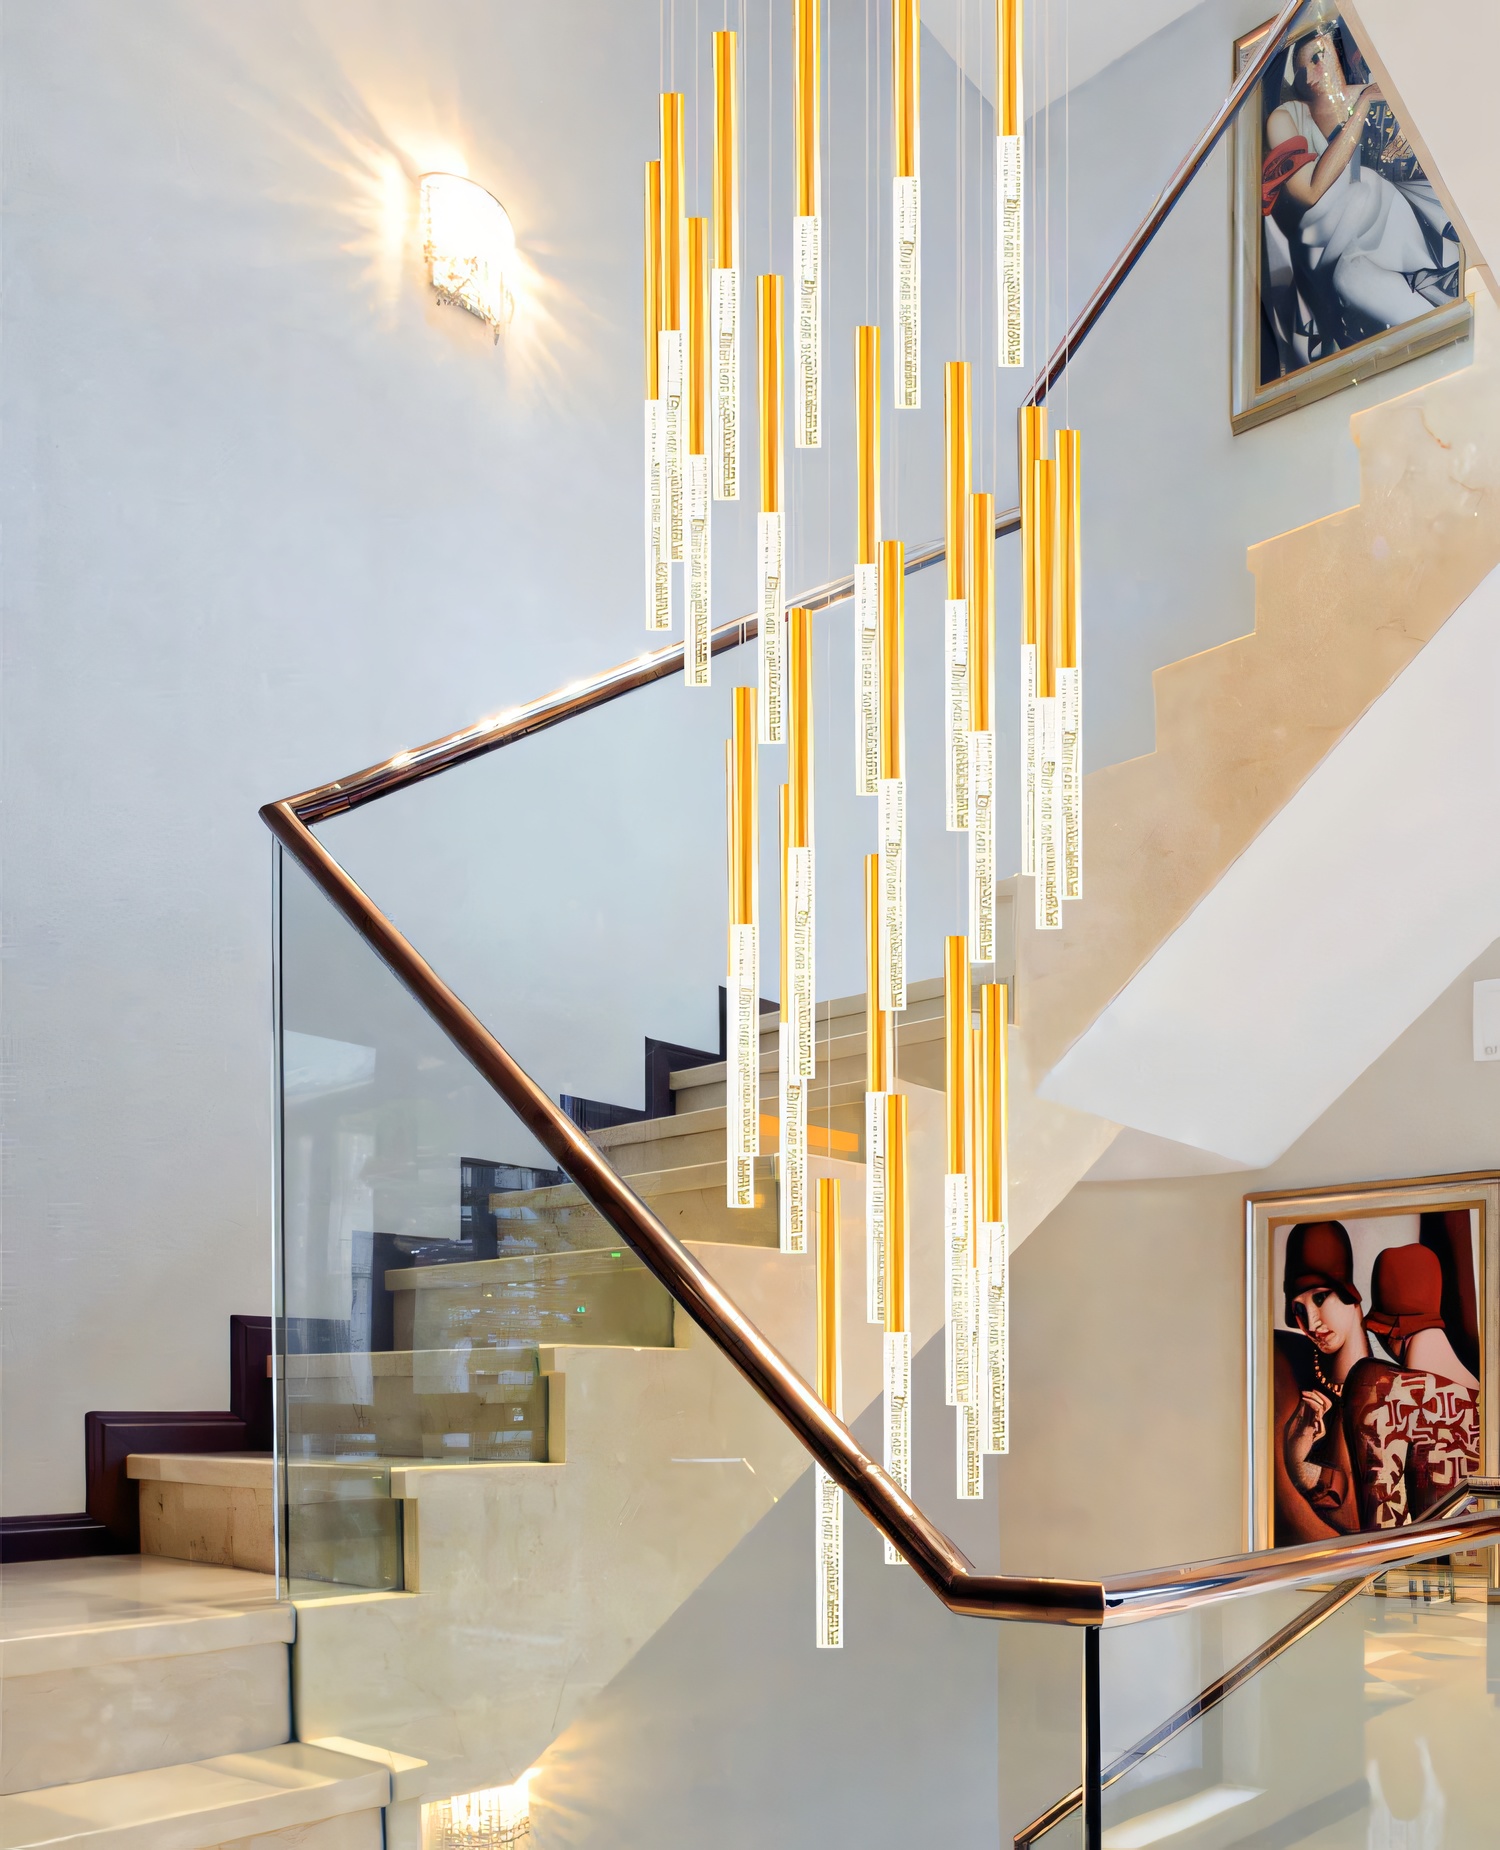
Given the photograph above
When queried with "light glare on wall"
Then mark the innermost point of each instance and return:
(493, 1819)
(467, 243)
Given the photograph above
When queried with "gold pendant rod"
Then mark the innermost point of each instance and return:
(1033, 446)
(958, 473)
(829, 1311)
(1043, 551)
(993, 1008)
(956, 1047)
(768, 305)
(978, 1143)
(673, 187)
(697, 337)
(867, 440)
(784, 811)
(742, 810)
(1008, 65)
(726, 152)
(1069, 545)
(799, 725)
(906, 82)
(981, 608)
(880, 1073)
(652, 277)
(807, 31)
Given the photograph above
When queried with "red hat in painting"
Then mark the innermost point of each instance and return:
(1318, 1258)
(1406, 1293)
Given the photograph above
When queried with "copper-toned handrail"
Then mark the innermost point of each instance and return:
(1128, 258)
(939, 1562)
(515, 723)
(1240, 1674)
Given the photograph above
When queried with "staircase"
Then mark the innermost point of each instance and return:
(1343, 607)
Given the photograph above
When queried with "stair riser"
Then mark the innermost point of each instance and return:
(95, 1721)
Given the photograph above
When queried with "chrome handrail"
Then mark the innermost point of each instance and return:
(1240, 1674)
(1121, 1599)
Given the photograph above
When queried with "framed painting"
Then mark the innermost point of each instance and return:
(1372, 1331)
(1344, 261)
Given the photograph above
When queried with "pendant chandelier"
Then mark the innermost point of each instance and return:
(693, 298)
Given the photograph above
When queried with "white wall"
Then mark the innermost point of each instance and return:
(1128, 1316)
(271, 514)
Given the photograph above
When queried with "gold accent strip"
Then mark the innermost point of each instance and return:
(892, 655)
(652, 278)
(1008, 65)
(726, 151)
(1069, 545)
(993, 1005)
(978, 1142)
(784, 811)
(878, 1063)
(959, 472)
(956, 1046)
(1043, 550)
(799, 710)
(867, 440)
(895, 1213)
(981, 608)
(1031, 436)
(906, 81)
(673, 187)
(697, 340)
(830, 1317)
(768, 313)
(807, 28)
(742, 803)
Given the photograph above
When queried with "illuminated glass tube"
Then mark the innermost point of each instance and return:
(956, 486)
(770, 524)
(867, 563)
(672, 365)
(957, 1205)
(743, 983)
(981, 734)
(1031, 434)
(880, 1078)
(697, 653)
(973, 1414)
(906, 39)
(806, 29)
(993, 1230)
(892, 791)
(897, 1458)
(658, 548)
(829, 1501)
(1010, 167)
(1069, 660)
(1045, 850)
(725, 286)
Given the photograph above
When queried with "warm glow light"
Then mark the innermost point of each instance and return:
(498, 1816)
(467, 244)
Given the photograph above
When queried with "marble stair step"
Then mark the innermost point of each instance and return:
(690, 1198)
(291, 1795)
(118, 1664)
(666, 1147)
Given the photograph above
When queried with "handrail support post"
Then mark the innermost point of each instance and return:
(1092, 1782)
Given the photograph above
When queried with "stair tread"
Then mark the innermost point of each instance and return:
(196, 1804)
(62, 1615)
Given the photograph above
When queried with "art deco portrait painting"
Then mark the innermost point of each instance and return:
(1370, 1358)
(1345, 259)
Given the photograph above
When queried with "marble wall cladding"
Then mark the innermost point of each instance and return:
(226, 1525)
(358, 1830)
(538, 1583)
(1342, 605)
(94, 1721)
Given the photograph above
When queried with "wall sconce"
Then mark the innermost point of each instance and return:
(467, 243)
(498, 1816)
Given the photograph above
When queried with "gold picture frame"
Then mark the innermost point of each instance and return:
(1306, 318)
(1375, 1217)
